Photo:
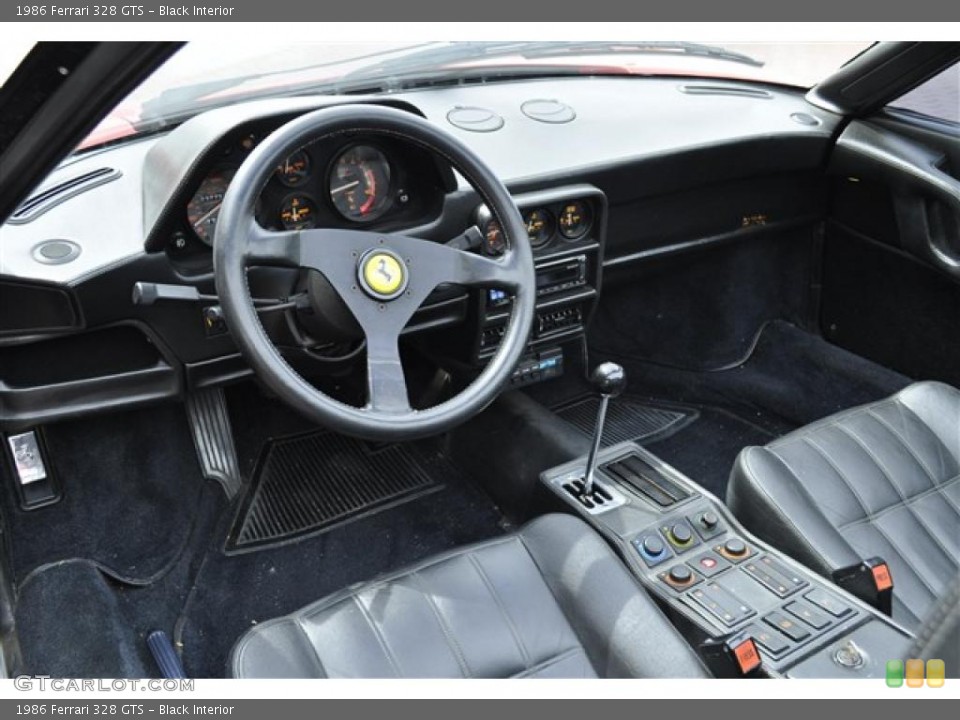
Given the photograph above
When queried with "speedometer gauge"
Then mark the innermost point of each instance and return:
(204, 207)
(359, 183)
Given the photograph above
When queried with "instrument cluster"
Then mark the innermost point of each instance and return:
(349, 182)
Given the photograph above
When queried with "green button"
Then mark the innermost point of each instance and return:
(894, 673)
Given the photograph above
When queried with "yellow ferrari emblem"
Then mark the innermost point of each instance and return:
(383, 274)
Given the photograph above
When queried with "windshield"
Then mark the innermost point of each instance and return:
(206, 75)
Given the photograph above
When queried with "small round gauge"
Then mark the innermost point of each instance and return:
(575, 219)
(298, 212)
(493, 241)
(360, 183)
(295, 170)
(540, 226)
(204, 207)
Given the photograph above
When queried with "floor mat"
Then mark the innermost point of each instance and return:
(312, 482)
(130, 481)
(626, 419)
(233, 592)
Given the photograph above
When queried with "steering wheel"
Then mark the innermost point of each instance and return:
(382, 278)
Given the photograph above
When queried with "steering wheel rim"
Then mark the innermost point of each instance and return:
(382, 311)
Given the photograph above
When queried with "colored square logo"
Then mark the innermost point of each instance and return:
(914, 673)
(936, 672)
(894, 673)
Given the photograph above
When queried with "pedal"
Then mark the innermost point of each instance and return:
(213, 439)
(36, 484)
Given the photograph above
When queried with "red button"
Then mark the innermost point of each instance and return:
(708, 563)
(747, 656)
(881, 577)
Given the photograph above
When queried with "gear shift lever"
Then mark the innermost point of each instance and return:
(609, 380)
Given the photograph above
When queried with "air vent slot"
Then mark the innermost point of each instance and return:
(733, 90)
(35, 206)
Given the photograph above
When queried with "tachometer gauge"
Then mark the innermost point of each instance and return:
(574, 220)
(298, 212)
(359, 183)
(295, 170)
(493, 242)
(204, 207)
(539, 226)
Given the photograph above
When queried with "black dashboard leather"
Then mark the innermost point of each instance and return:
(878, 480)
(551, 600)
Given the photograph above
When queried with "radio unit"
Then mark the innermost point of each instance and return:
(561, 275)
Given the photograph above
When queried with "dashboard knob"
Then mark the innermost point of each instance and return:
(680, 534)
(653, 546)
(680, 574)
(709, 520)
(735, 547)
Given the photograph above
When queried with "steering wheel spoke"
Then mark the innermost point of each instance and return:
(277, 248)
(386, 380)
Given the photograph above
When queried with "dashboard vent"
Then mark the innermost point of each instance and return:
(735, 90)
(475, 119)
(548, 111)
(35, 206)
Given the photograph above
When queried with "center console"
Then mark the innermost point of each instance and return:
(715, 580)
(566, 230)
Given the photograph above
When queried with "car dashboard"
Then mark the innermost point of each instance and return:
(606, 172)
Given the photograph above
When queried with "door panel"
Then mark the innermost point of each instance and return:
(891, 273)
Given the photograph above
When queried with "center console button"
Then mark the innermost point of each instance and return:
(680, 574)
(735, 547)
(825, 601)
(653, 545)
(768, 640)
(808, 614)
(776, 577)
(709, 563)
(788, 626)
(721, 603)
(681, 534)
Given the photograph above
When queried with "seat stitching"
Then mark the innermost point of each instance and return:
(941, 445)
(550, 662)
(527, 660)
(444, 627)
(904, 504)
(935, 490)
(316, 653)
(377, 634)
(896, 433)
(866, 512)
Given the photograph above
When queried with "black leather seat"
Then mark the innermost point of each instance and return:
(879, 480)
(551, 600)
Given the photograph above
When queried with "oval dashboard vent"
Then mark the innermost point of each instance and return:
(548, 111)
(475, 119)
(56, 252)
(33, 207)
(735, 90)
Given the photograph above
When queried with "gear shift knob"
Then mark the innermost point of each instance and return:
(608, 379)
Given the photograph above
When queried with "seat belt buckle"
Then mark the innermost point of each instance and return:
(871, 581)
(732, 656)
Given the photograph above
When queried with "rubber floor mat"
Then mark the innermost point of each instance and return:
(626, 419)
(309, 483)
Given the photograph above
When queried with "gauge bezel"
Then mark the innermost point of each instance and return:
(219, 167)
(485, 246)
(552, 221)
(588, 225)
(313, 203)
(305, 178)
(391, 180)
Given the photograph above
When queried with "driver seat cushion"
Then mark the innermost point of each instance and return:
(881, 479)
(549, 601)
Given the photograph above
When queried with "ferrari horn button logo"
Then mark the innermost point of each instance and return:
(383, 274)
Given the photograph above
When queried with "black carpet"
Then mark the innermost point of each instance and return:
(131, 483)
(232, 592)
